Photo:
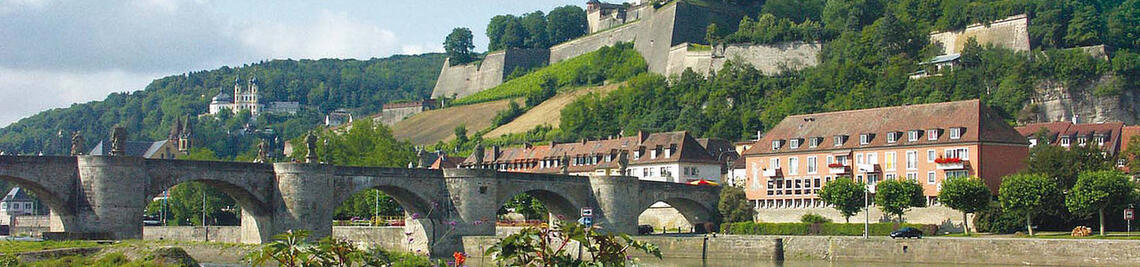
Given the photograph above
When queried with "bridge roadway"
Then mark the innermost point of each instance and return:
(107, 195)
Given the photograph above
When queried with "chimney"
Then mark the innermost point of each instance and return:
(758, 135)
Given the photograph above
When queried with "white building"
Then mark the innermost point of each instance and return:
(247, 98)
(16, 203)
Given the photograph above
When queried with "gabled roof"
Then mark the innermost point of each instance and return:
(687, 149)
(133, 148)
(1111, 131)
(979, 124)
(446, 162)
(17, 195)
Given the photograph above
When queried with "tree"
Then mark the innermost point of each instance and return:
(844, 195)
(495, 30)
(460, 135)
(458, 46)
(1132, 154)
(1097, 191)
(535, 25)
(549, 87)
(896, 196)
(968, 195)
(1054, 162)
(1122, 30)
(734, 206)
(565, 23)
(1029, 195)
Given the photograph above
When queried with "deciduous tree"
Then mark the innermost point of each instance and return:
(896, 196)
(1097, 191)
(734, 206)
(1029, 195)
(458, 46)
(968, 195)
(844, 195)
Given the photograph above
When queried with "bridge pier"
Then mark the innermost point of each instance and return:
(303, 201)
(615, 211)
(111, 197)
(471, 194)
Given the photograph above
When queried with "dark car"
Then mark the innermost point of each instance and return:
(906, 232)
(644, 229)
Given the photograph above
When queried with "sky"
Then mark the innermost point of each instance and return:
(54, 53)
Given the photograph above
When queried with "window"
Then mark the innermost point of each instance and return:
(956, 174)
(811, 165)
(830, 159)
(839, 139)
(774, 163)
(1032, 142)
(960, 153)
(858, 178)
(685, 170)
(696, 171)
(864, 139)
(645, 172)
(859, 158)
(27, 206)
(912, 136)
(665, 172)
(912, 176)
(956, 132)
(793, 165)
(889, 161)
(892, 137)
(931, 177)
(1099, 140)
(891, 176)
(815, 142)
(1082, 141)
(795, 143)
(932, 134)
(872, 158)
(930, 155)
(872, 179)
(776, 144)
(912, 160)
(1065, 141)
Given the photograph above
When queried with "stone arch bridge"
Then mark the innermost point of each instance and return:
(107, 195)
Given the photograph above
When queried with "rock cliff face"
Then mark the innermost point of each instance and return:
(1054, 102)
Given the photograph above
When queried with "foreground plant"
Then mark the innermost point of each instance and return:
(548, 246)
(289, 249)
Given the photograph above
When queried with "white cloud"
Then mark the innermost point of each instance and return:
(332, 35)
(414, 49)
(27, 92)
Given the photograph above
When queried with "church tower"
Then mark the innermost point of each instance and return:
(184, 136)
(237, 91)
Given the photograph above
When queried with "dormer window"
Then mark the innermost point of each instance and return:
(912, 135)
(840, 139)
(932, 134)
(776, 144)
(795, 143)
(1099, 140)
(669, 151)
(1082, 140)
(864, 139)
(956, 132)
(892, 137)
(1032, 142)
(814, 141)
(1065, 141)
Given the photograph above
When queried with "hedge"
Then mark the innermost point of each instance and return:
(834, 229)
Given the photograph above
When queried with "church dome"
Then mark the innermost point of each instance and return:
(221, 98)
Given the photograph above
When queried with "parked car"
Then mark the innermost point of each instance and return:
(906, 232)
(644, 229)
(151, 221)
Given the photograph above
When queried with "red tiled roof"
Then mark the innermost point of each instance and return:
(980, 124)
(1110, 130)
(446, 162)
(687, 149)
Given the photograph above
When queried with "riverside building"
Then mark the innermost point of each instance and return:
(787, 167)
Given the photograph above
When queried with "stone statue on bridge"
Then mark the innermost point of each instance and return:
(478, 152)
(262, 153)
(118, 141)
(623, 163)
(76, 143)
(565, 164)
(311, 147)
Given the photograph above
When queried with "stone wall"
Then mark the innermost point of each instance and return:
(466, 79)
(1011, 32)
(387, 237)
(583, 45)
(947, 219)
(227, 234)
(770, 59)
(392, 116)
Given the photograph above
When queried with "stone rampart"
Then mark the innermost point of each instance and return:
(390, 116)
(466, 79)
(1011, 32)
(769, 59)
(595, 41)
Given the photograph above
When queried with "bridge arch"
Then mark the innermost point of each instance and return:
(697, 204)
(556, 203)
(51, 180)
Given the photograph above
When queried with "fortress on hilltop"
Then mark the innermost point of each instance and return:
(662, 34)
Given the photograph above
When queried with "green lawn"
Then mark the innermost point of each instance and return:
(8, 246)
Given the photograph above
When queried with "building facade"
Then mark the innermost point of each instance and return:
(926, 143)
(667, 157)
(247, 98)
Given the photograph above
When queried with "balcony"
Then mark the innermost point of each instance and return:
(868, 168)
(775, 172)
(950, 163)
(838, 168)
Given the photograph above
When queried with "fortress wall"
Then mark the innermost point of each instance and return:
(773, 58)
(680, 58)
(577, 47)
(392, 116)
(467, 79)
(523, 58)
(1011, 32)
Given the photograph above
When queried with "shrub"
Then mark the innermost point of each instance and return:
(814, 218)
(995, 221)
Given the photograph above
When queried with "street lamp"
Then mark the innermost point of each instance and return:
(866, 211)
